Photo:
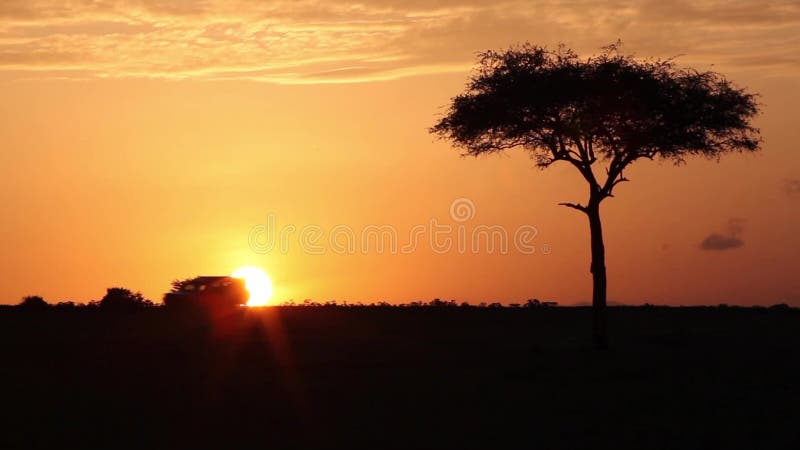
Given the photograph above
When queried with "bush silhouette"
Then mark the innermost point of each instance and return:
(121, 299)
(66, 305)
(33, 303)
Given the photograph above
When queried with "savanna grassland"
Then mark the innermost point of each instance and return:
(400, 377)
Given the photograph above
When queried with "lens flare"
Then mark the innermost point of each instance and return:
(258, 284)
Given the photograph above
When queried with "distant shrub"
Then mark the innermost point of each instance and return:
(33, 303)
(536, 303)
(438, 303)
(64, 306)
(179, 285)
(780, 306)
(121, 299)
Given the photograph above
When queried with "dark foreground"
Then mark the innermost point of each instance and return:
(321, 377)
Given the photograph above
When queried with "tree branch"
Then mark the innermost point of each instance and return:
(590, 149)
(615, 168)
(563, 153)
(619, 180)
(577, 206)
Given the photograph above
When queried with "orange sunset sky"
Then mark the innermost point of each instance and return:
(142, 140)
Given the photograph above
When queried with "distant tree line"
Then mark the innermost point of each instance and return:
(116, 299)
(435, 303)
(124, 300)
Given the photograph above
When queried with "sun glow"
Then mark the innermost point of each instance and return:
(258, 285)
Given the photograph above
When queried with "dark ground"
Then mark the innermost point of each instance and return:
(322, 377)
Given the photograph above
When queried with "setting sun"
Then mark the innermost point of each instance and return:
(258, 285)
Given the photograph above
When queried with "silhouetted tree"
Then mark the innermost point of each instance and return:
(121, 299)
(533, 303)
(33, 303)
(178, 285)
(439, 303)
(599, 115)
(67, 305)
(780, 306)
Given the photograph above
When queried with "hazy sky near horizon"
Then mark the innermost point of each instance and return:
(144, 139)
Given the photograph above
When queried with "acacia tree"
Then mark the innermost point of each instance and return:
(599, 115)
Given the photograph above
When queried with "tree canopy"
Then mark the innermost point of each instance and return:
(121, 299)
(33, 302)
(611, 107)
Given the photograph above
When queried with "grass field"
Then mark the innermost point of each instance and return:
(381, 377)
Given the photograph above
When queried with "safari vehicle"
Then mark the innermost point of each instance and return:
(207, 292)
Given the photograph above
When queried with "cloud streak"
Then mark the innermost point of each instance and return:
(315, 41)
(725, 241)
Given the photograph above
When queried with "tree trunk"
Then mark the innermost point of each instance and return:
(599, 283)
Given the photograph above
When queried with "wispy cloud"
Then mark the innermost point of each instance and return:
(725, 241)
(311, 41)
(791, 187)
